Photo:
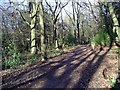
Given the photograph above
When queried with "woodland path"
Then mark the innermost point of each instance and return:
(78, 68)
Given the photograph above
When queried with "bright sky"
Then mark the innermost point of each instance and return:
(92, 1)
(3, 1)
(68, 8)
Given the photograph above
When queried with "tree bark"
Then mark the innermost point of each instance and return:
(116, 27)
(42, 32)
(32, 8)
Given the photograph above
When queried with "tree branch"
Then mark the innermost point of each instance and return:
(49, 6)
(60, 11)
(11, 2)
(69, 17)
(23, 17)
(92, 11)
(56, 6)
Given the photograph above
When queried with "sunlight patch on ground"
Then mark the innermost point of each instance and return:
(54, 64)
(73, 82)
(95, 60)
(78, 56)
(39, 84)
(60, 71)
(75, 62)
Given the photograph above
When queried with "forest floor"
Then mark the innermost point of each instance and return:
(80, 67)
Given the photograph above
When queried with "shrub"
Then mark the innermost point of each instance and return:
(33, 58)
(13, 57)
(112, 81)
(13, 61)
(118, 51)
(101, 38)
(69, 39)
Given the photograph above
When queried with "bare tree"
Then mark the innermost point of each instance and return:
(55, 14)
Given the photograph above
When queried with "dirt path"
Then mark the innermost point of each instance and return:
(78, 68)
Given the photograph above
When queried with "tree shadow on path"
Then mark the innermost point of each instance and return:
(79, 55)
(90, 70)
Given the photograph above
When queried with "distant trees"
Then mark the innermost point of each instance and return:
(55, 14)
(83, 21)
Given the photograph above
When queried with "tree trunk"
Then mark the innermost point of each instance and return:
(32, 8)
(55, 37)
(62, 36)
(55, 41)
(42, 32)
(73, 6)
(116, 28)
(78, 29)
